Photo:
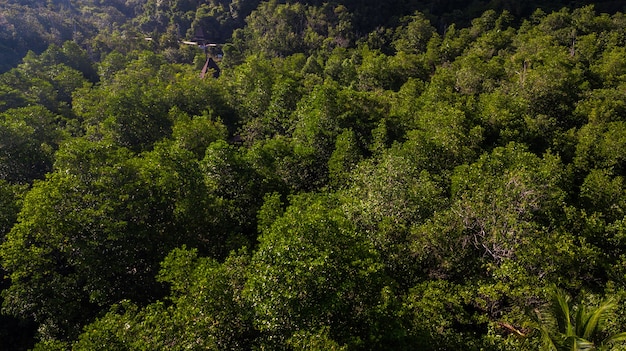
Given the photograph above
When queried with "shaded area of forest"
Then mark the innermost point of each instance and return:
(357, 178)
(100, 27)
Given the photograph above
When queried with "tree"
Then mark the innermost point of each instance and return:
(235, 192)
(196, 133)
(545, 73)
(313, 270)
(29, 137)
(94, 232)
(439, 316)
(69, 54)
(277, 29)
(131, 109)
(501, 200)
(275, 117)
(602, 105)
(505, 216)
(17, 332)
(414, 36)
(565, 326)
(439, 135)
(314, 341)
(322, 116)
(280, 30)
(205, 309)
(602, 193)
(250, 87)
(377, 71)
(600, 146)
(343, 159)
(385, 197)
(50, 79)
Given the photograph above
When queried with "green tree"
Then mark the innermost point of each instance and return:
(277, 29)
(439, 135)
(545, 73)
(600, 146)
(205, 309)
(280, 30)
(439, 317)
(341, 67)
(131, 109)
(603, 193)
(505, 215)
(377, 71)
(343, 160)
(29, 137)
(17, 332)
(132, 105)
(611, 67)
(314, 341)
(196, 133)
(501, 200)
(415, 35)
(565, 326)
(10, 205)
(602, 105)
(313, 270)
(275, 118)
(323, 115)
(235, 191)
(250, 88)
(384, 197)
(94, 232)
(69, 54)
(49, 79)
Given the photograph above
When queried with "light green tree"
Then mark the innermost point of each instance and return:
(314, 271)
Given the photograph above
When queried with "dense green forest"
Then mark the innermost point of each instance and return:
(362, 175)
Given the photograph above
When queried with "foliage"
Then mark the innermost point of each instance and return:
(313, 270)
(362, 175)
(567, 327)
(84, 246)
(30, 136)
(201, 288)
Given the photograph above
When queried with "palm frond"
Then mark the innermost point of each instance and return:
(615, 338)
(575, 328)
(595, 318)
(562, 312)
(582, 316)
(548, 340)
(580, 344)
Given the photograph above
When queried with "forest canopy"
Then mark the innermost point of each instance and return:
(370, 175)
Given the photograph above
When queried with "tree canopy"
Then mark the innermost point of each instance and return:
(368, 175)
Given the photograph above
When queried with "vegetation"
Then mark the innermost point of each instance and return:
(361, 175)
(563, 330)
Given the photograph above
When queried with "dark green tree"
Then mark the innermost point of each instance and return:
(95, 230)
(205, 310)
(29, 137)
